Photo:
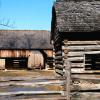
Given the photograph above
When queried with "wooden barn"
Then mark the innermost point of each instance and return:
(76, 39)
(25, 49)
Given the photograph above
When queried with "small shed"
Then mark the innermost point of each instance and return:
(24, 49)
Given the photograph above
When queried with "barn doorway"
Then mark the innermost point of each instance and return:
(16, 63)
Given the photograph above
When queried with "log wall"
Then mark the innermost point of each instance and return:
(76, 54)
(70, 62)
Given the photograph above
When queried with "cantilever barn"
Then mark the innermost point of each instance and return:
(75, 34)
(25, 49)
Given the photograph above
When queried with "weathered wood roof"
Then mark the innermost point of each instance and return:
(25, 39)
(76, 15)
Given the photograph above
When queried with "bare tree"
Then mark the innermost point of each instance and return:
(5, 22)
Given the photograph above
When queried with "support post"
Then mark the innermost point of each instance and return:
(68, 78)
(67, 74)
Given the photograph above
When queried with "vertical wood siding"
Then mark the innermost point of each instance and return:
(35, 58)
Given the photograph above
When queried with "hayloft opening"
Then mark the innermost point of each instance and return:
(92, 61)
(16, 63)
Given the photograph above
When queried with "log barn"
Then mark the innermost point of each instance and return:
(75, 35)
(25, 49)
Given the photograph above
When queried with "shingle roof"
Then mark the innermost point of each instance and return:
(76, 15)
(25, 39)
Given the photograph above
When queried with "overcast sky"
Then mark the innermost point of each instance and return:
(27, 14)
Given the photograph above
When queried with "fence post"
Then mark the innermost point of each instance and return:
(67, 75)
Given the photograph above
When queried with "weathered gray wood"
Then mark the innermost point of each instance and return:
(77, 70)
(83, 42)
(58, 57)
(68, 78)
(75, 54)
(77, 65)
(30, 92)
(59, 62)
(59, 67)
(81, 53)
(52, 97)
(82, 47)
(93, 77)
(58, 53)
(60, 72)
(86, 72)
(85, 96)
(76, 58)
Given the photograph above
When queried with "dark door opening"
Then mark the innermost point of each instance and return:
(92, 61)
(16, 63)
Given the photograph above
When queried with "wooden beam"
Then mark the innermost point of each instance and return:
(82, 47)
(83, 42)
(76, 58)
(58, 57)
(68, 78)
(59, 71)
(77, 65)
(81, 53)
(58, 53)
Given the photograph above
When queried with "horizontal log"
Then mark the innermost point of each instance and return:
(77, 65)
(83, 42)
(58, 53)
(89, 77)
(59, 67)
(59, 62)
(77, 70)
(85, 96)
(30, 92)
(58, 57)
(76, 58)
(86, 72)
(60, 72)
(52, 97)
(80, 53)
(85, 85)
(82, 48)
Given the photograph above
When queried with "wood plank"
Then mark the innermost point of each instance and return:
(59, 67)
(59, 62)
(77, 65)
(30, 92)
(86, 72)
(68, 78)
(85, 96)
(83, 42)
(82, 47)
(58, 57)
(88, 77)
(58, 53)
(81, 53)
(85, 85)
(76, 58)
(60, 72)
(77, 70)
(49, 98)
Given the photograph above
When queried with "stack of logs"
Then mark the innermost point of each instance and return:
(62, 65)
(70, 60)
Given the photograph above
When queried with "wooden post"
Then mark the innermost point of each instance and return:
(67, 73)
(68, 78)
